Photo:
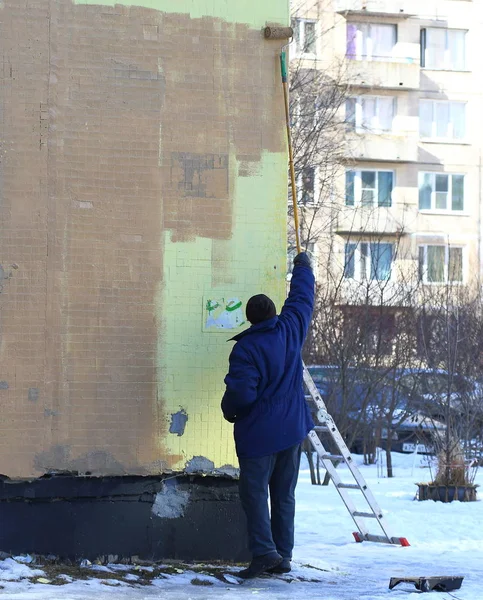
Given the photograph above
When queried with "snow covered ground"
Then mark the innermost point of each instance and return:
(446, 539)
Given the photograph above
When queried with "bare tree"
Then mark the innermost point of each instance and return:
(363, 326)
(362, 336)
(450, 328)
(377, 332)
(318, 95)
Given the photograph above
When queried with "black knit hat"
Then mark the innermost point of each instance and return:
(260, 308)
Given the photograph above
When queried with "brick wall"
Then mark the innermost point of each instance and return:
(142, 173)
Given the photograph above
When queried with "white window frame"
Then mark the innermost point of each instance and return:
(434, 128)
(359, 41)
(358, 188)
(433, 208)
(448, 65)
(423, 269)
(359, 113)
(299, 36)
(358, 271)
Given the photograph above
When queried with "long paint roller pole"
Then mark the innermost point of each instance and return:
(284, 33)
(283, 65)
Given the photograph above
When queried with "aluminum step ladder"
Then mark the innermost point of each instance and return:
(327, 425)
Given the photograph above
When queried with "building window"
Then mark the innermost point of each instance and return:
(307, 186)
(305, 36)
(368, 261)
(306, 113)
(442, 120)
(369, 188)
(441, 264)
(370, 41)
(373, 114)
(441, 192)
(443, 49)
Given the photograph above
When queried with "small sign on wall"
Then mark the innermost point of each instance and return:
(223, 313)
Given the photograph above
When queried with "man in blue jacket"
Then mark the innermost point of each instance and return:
(265, 400)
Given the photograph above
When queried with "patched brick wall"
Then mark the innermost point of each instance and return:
(128, 135)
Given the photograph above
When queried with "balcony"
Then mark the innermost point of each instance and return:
(440, 81)
(391, 73)
(402, 9)
(375, 293)
(389, 147)
(368, 221)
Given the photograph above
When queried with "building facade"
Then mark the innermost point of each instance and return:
(143, 181)
(407, 200)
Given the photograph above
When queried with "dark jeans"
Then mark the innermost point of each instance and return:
(269, 532)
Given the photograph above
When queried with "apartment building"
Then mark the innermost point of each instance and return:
(409, 195)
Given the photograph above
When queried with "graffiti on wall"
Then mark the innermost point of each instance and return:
(223, 313)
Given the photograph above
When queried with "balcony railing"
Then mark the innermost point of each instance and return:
(393, 8)
(387, 147)
(385, 72)
(376, 293)
(352, 222)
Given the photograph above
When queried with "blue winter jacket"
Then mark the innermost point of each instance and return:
(264, 392)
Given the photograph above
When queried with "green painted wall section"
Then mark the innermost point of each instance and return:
(252, 12)
(193, 362)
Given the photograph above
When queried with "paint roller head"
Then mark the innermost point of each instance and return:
(278, 33)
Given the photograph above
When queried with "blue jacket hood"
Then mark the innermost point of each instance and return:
(267, 325)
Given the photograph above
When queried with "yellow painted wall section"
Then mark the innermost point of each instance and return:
(256, 14)
(193, 358)
(193, 362)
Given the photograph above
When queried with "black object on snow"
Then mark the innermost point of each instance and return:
(429, 584)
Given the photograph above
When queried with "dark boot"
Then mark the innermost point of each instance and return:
(283, 567)
(261, 564)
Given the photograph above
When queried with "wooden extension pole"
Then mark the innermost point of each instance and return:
(283, 65)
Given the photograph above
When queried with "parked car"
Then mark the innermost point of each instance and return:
(433, 389)
(362, 400)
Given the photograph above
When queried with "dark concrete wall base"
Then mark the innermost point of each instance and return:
(183, 517)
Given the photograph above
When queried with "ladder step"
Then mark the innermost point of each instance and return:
(321, 428)
(349, 486)
(364, 515)
(331, 457)
(382, 539)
